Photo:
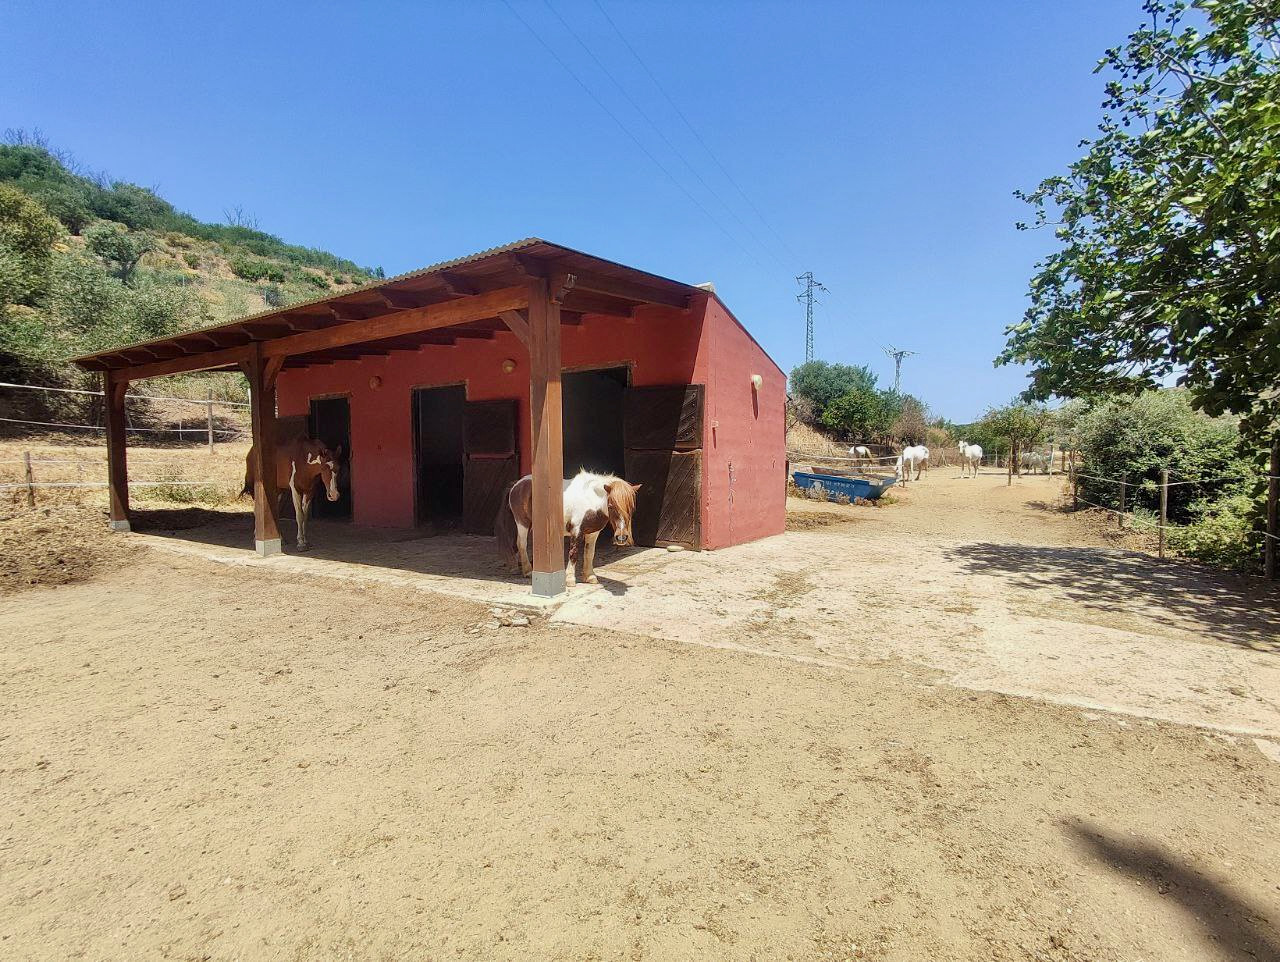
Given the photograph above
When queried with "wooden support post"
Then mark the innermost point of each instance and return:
(208, 413)
(1075, 483)
(113, 392)
(1273, 509)
(1164, 505)
(262, 415)
(548, 442)
(1120, 516)
(31, 487)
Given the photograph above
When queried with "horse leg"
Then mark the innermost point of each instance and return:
(589, 559)
(306, 514)
(522, 548)
(299, 517)
(570, 568)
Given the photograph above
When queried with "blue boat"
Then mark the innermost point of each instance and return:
(869, 489)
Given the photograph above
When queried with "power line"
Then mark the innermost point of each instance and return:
(627, 130)
(806, 297)
(694, 130)
(659, 131)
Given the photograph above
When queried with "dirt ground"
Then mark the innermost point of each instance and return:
(211, 761)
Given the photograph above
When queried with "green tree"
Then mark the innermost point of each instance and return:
(1169, 226)
(1017, 426)
(820, 383)
(119, 248)
(27, 235)
(861, 413)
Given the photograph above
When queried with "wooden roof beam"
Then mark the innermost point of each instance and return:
(629, 290)
(432, 317)
(587, 303)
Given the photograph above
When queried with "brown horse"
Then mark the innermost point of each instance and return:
(298, 464)
(592, 502)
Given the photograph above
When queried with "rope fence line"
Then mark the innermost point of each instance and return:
(24, 486)
(96, 427)
(129, 397)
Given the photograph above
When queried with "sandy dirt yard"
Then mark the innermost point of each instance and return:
(833, 758)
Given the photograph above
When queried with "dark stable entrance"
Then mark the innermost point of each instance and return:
(592, 405)
(330, 421)
(438, 454)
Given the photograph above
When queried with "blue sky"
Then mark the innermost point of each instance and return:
(880, 141)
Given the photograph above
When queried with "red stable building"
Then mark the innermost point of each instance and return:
(445, 384)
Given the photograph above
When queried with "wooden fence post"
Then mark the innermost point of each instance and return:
(1164, 505)
(208, 413)
(1120, 516)
(1273, 499)
(1075, 482)
(31, 488)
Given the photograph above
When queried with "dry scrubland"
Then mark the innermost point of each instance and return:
(205, 761)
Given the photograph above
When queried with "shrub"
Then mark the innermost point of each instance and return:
(1223, 535)
(27, 234)
(316, 280)
(256, 270)
(119, 248)
(192, 259)
(1133, 438)
(273, 295)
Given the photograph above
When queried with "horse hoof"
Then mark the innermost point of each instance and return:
(304, 547)
(593, 580)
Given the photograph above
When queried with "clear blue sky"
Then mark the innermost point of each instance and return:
(880, 141)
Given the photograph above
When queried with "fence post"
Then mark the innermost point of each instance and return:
(1120, 516)
(1273, 498)
(31, 488)
(1164, 504)
(208, 411)
(1075, 483)
(1051, 452)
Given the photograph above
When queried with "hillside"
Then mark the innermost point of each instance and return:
(87, 261)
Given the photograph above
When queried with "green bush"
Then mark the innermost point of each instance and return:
(316, 280)
(1223, 536)
(256, 270)
(1133, 438)
(27, 234)
(119, 248)
(192, 259)
(273, 295)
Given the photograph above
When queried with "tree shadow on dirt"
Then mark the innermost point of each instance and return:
(1225, 607)
(1229, 922)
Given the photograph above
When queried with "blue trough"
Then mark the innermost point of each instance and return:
(868, 489)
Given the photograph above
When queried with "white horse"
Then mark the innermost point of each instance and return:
(861, 453)
(972, 457)
(913, 456)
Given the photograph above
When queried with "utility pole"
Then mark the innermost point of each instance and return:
(897, 356)
(810, 285)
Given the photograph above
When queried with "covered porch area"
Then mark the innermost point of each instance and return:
(525, 291)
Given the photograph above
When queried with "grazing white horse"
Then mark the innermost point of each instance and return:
(861, 452)
(913, 456)
(972, 455)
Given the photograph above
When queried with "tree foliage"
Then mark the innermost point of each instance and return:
(1169, 226)
(27, 234)
(119, 247)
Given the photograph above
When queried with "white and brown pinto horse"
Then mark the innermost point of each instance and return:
(298, 464)
(592, 502)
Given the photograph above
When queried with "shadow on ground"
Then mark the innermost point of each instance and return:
(1228, 921)
(393, 549)
(1229, 608)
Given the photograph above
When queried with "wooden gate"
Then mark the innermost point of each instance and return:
(662, 429)
(491, 461)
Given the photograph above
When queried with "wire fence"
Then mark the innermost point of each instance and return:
(208, 430)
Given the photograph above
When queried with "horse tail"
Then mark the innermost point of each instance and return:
(248, 473)
(504, 526)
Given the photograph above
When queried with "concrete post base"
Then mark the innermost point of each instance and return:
(548, 584)
(119, 525)
(267, 548)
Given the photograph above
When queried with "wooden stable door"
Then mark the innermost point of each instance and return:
(491, 461)
(662, 430)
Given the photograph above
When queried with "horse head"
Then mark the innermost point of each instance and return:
(328, 463)
(621, 500)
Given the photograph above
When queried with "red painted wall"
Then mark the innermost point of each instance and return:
(744, 455)
(662, 346)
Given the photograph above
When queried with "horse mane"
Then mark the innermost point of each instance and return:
(622, 495)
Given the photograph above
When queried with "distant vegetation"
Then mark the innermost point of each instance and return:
(87, 262)
(845, 400)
